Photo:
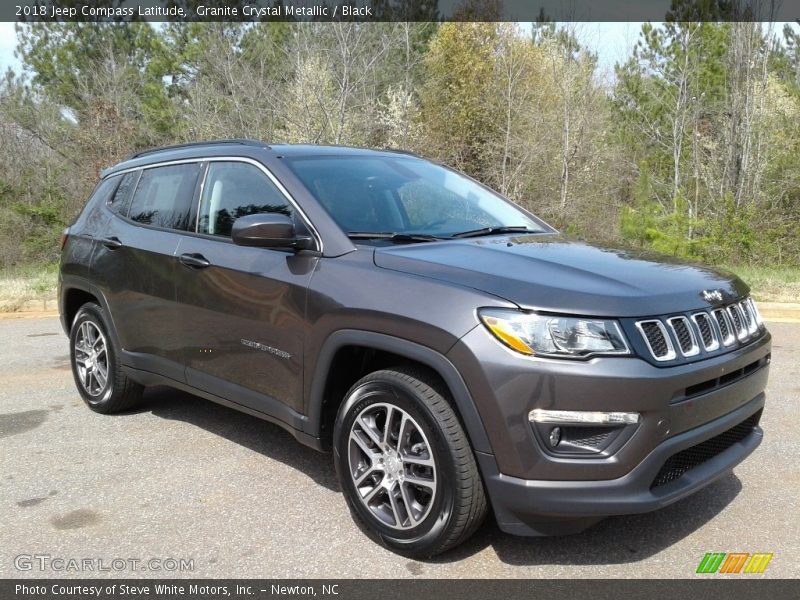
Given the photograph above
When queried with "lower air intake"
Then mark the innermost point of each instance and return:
(688, 459)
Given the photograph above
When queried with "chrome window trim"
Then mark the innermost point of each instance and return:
(741, 333)
(670, 355)
(715, 344)
(731, 338)
(225, 158)
(695, 349)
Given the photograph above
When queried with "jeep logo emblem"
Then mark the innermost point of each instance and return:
(712, 295)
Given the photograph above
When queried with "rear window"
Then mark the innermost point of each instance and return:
(163, 197)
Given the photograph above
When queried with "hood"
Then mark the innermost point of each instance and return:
(549, 273)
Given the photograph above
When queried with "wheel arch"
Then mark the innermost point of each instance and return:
(74, 294)
(319, 404)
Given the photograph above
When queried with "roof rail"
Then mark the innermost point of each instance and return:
(242, 142)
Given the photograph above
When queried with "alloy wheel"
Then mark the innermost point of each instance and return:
(392, 466)
(91, 358)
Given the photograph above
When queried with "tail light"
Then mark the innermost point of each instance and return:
(64, 236)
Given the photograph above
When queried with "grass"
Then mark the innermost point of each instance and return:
(771, 283)
(21, 288)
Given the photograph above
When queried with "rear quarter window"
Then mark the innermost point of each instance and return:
(121, 198)
(104, 190)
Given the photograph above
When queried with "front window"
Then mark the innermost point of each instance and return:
(233, 190)
(405, 195)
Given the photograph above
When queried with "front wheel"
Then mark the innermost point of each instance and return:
(405, 465)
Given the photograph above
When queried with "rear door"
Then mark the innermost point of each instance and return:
(134, 263)
(243, 308)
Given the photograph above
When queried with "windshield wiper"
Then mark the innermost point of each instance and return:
(494, 231)
(392, 237)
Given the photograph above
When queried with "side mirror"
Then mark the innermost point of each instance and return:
(268, 230)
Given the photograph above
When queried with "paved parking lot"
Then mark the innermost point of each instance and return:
(182, 478)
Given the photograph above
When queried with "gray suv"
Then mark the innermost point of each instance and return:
(453, 351)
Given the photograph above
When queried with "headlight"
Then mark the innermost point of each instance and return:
(551, 335)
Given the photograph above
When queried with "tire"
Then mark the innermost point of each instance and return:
(92, 352)
(417, 491)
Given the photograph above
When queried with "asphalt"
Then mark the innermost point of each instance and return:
(183, 478)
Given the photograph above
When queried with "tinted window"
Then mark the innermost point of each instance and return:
(119, 201)
(164, 196)
(403, 194)
(233, 190)
(104, 190)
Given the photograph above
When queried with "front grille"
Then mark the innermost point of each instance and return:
(705, 331)
(686, 460)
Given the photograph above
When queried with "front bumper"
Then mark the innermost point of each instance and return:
(536, 491)
(531, 507)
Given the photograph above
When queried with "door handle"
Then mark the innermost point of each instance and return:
(112, 243)
(195, 261)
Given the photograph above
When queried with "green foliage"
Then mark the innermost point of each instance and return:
(716, 142)
(693, 152)
(76, 63)
(455, 98)
(647, 224)
(37, 209)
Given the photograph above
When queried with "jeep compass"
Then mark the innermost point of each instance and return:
(454, 352)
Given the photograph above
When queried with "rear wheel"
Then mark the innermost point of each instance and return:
(405, 465)
(95, 364)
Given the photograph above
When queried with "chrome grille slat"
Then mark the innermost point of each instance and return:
(738, 321)
(702, 331)
(684, 334)
(708, 335)
(749, 319)
(725, 326)
(755, 313)
(657, 339)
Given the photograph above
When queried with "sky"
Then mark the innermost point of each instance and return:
(8, 41)
(611, 41)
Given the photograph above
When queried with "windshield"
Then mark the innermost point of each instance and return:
(405, 195)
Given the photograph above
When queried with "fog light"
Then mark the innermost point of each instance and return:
(561, 417)
(555, 436)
